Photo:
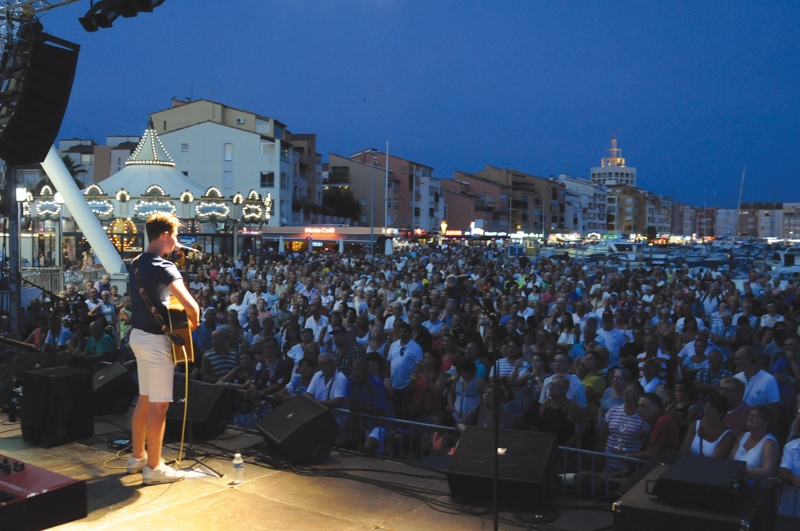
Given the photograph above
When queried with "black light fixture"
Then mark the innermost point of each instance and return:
(103, 13)
(100, 15)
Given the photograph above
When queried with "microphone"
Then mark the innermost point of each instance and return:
(186, 248)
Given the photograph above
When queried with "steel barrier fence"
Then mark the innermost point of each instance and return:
(580, 472)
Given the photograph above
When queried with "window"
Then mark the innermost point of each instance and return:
(284, 181)
(267, 148)
(87, 158)
(410, 183)
(363, 218)
(227, 179)
(185, 148)
(228, 150)
(389, 185)
(403, 220)
(267, 179)
(363, 202)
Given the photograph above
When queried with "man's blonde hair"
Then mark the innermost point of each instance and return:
(159, 223)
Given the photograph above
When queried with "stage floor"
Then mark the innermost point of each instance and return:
(275, 499)
(269, 498)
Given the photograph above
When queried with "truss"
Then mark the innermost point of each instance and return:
(12, 12)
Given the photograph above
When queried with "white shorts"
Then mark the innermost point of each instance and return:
(154, 363)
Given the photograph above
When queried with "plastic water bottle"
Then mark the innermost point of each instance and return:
(238, 469)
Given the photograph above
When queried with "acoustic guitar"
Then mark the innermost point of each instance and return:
(179, 325)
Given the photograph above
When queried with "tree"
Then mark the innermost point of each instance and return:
(73, 168)
(651, 233)
(342, 202)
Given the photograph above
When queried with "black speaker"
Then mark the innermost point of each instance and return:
(209, 410)
(57, 406)
(114, 389)
(753, 507)
(36, 78)
(301, 429)
(527, 469)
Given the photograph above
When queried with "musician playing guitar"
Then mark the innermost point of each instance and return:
(153, 348)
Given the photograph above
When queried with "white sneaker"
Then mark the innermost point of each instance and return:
(136, 465)
(161, 474)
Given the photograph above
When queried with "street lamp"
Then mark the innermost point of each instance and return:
(22, 196)
(374, 153)
(443, 227)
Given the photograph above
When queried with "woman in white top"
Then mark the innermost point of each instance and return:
(710, 437)
(758, 447)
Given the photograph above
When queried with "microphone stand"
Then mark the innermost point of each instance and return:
(499, 331)
(53, 300)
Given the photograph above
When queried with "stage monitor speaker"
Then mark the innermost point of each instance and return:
(36, 78)
(301, 429)
(57, 406)
(695, 478)
(114, 389)
(753, 507)
(527, 469)
(209, 410)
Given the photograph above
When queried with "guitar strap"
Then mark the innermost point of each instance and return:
(175, 338)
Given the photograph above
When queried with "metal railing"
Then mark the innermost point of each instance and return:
(54, 279)
(579, 472)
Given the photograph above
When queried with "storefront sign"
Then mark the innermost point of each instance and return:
(320, 230)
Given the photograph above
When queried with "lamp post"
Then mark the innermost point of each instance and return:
(443, 227)
(60, 242)
(15, 261)
(374, 153)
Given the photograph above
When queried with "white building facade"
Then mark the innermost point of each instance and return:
(585, 205)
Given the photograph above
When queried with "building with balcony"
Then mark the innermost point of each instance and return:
(586, 203)
(726, 223)
(474, 202)
(791, 221)
(706, 221)
(683, 222)
(414, 192)
(537, 205)
(237, 151)
(356, 176)
(632, 210)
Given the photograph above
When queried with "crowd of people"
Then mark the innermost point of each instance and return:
(627, 362)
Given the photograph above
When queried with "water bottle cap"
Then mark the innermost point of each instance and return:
(237, 455)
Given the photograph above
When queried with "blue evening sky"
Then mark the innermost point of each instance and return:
(693, 89)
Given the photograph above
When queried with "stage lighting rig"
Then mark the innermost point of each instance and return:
(103, 13)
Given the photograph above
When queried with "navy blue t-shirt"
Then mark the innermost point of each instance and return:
(156, 274)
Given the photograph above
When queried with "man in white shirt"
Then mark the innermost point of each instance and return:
(251, 297)
(771, 317)
(686, 311)
(328, 386)
(576, 391)
(396, 317)
(317, 322)
(613, 339)
(761, 388)
(241, 309)
(404, 354)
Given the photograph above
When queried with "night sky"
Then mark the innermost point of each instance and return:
(692, 89)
